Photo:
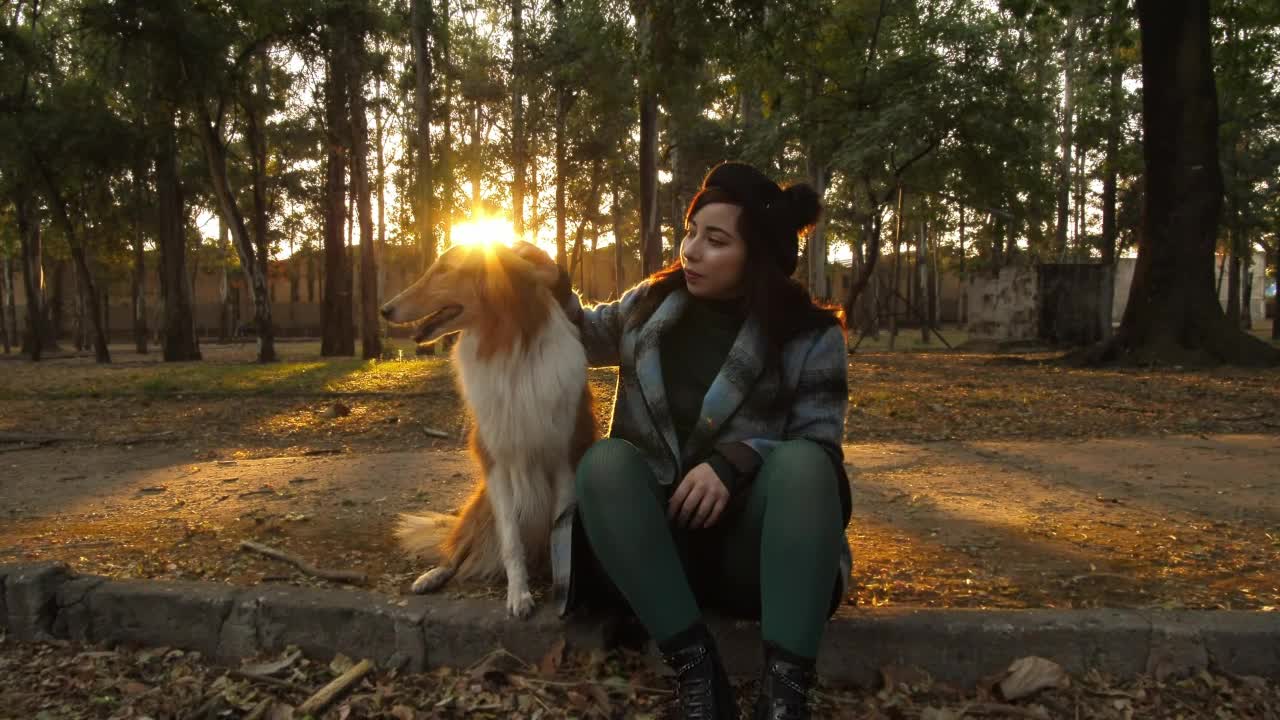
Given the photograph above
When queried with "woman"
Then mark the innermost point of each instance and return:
(722, 483)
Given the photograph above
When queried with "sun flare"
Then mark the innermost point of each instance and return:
(484, 231)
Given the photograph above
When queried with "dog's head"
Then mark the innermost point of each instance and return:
(483, 288)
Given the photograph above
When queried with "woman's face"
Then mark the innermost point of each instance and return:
(712, 254)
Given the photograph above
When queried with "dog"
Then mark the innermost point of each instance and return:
(522, 373)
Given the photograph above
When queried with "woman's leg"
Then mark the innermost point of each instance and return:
(623, 511)
(785, 544)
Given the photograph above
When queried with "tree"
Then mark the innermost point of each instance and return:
(1173, 315)
(337, 325)
(370, 328)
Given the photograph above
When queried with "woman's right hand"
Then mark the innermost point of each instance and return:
(561, 286)
(534, 254)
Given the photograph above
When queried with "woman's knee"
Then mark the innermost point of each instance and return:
(802, 467)
(609, 467)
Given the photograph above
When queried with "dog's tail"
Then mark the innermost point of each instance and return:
(470, 549)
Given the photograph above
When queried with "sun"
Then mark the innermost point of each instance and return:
(484, 231)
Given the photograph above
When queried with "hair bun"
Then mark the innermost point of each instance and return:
(801, 206)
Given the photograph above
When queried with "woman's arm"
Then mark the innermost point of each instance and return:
(601, 326)
(817, 410)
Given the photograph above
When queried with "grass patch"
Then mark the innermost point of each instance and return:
(336, 375)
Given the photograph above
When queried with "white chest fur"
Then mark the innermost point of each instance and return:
(525, 402)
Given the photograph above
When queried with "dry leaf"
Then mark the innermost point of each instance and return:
(896, 676)
(403, 712)
(340, 664)
(271, 668)
(1029, 675)
(553, 659)
(280, 711)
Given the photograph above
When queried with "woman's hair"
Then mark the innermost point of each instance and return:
(770, 223)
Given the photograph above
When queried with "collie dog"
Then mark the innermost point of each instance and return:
(522, 373)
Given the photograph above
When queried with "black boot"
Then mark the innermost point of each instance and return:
(785, 684)
(702, 687)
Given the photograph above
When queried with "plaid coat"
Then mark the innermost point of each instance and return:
(804, 396)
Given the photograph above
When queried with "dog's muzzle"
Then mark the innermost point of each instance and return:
(435, 320)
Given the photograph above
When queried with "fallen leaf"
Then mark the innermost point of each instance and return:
(1029, 675)
(274, 666)
(403, 712)
(340, 664)
(896, 676)
(554, 658)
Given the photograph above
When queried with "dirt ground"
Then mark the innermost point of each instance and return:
(979, 480)
(1174, 521)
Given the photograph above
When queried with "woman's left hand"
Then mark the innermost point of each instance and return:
(699, 499)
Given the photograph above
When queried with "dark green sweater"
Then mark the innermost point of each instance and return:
(693, 351)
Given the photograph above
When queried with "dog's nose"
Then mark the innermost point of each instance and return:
(386, 311)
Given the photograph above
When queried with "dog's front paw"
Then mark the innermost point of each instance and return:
(432, 580)
(519, 602)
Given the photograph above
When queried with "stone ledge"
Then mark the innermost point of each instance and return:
(46, 600)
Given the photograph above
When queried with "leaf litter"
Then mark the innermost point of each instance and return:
(61, 680)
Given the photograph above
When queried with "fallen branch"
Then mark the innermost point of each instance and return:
(24, 446)
(345, 576)
(1090, 576)
(260, 710)
(432, 432)
(139, 439)
(1003, 709)
(21, 437)
(267, 680)
(330, 692)
(540, 682)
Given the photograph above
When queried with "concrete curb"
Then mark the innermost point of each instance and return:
(46, 601)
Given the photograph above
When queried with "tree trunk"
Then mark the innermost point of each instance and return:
(477, 155)
(226, 319)
(896, 283)
(562, 172)
(55, 304)
(446, 152)
(588, 215)
(1111, 166)
(618, 271)
(816, 243)
(260, 278)
(380, 181)
(8, 312)
(1173, 316)
(518, 150)
(337, 333)
(1064, 167)
(1233, 274)
(650, 231)
(927, 295)
(251, 249)
(370, 329)
(1246, 285)
(138, 291)
(1275, 268)
(84, 279)
(178, 341)
(421, 20)
(32, 274)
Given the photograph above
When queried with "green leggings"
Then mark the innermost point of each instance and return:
(772, 554)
